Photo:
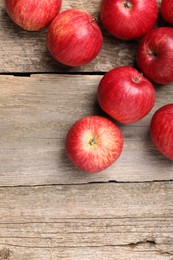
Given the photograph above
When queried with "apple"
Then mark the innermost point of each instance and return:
(125, 94)
(161, 130)
(166, 10)
(93, 143)
(32, 15)
(128, 19)
(155, 55)
(74, 38)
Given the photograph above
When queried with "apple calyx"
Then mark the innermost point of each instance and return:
(128, 4)
(92, 141)
(137, 79)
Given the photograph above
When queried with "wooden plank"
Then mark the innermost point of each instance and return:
(23, 51)
(35, 115)
(98, 221)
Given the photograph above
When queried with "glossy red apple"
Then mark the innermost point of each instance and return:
(166, 10)
(128, 19)
(161, 130)
(125, 94)
(93, 143)
(74, 38)
(32, 15)
(155, 55)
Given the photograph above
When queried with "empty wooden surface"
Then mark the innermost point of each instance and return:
(96, 221)
(48, 208)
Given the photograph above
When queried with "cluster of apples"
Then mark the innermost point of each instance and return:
(93, 143)
(74, 38)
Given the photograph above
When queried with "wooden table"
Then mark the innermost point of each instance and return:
(48, 208)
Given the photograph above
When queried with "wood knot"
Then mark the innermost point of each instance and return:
(4, 253)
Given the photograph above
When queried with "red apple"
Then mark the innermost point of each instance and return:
(155, 55)
(128, 19)
(125, 94)
(32, 15)
(93, 143)
(161, 130)
(166, 10)
(74, 38)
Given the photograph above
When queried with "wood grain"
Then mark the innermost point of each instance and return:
(77, 217)
(23, 51)
(98, 221)
(35, 115)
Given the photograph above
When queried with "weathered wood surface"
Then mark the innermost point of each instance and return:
(97, 221)
(111, 221)
(22, 51)
(35, 115)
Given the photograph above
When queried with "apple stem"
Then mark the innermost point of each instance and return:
(137, 79)
(93, 20)
(152, 53)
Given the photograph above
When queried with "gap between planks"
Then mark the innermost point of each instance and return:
(87, 183)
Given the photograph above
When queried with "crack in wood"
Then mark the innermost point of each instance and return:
(147, 241)
(5, 252)
(84, 183)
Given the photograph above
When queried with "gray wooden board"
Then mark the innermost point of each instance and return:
(78, 220)
(35, 115)
(22, 51)
(97, 221)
